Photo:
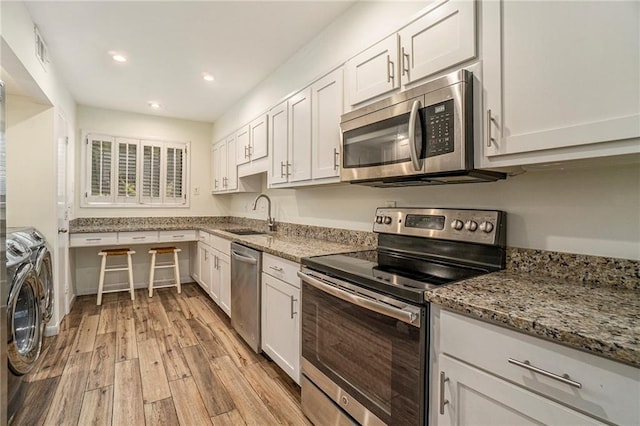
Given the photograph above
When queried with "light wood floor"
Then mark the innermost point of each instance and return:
(168, 360)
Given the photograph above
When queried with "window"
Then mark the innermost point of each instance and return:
(126, 172)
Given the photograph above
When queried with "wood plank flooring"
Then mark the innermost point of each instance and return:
(168, 360)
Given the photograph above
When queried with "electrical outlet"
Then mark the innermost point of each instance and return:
(196, 190)
(389, 204)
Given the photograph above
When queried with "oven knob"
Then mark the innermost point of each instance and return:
(457, 224)
(471, 225)
(387, 220)
(486, 227)
(378, 219)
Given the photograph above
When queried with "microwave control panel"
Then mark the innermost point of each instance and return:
(439, 119)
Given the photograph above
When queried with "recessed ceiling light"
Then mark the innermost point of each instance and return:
(118, 57)
(207, 77)
(154, 105)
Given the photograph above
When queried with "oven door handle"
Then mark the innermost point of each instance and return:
(412, 318)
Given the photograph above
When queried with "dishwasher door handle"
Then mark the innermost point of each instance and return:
(242, 258)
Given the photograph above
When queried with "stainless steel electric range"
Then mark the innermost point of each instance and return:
(365, 318)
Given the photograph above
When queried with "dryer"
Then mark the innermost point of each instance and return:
(41, 260)
(24, 319)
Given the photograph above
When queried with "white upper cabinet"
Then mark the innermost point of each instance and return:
(373, 72)
(243, 145)
(443, 37)
(326, 107)
(300, 136)
(559, 76)
(278, 141)
(230, 182)
(223, 161)
(252, 141)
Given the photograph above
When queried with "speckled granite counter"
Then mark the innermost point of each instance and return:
(291, 241)
(603, 320)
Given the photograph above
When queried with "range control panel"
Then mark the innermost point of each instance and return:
(473, 226)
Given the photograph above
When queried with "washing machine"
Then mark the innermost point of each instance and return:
(41, 260)
(24, 319)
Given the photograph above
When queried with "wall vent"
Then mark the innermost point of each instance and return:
(42, 52)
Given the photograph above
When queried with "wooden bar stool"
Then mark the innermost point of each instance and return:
(153, 266)
(104, 269)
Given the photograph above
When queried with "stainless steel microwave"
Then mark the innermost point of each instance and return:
(421, 136)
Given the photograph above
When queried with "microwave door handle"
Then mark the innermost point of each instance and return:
(411, 318)
(417, 162)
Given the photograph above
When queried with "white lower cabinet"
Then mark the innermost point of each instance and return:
(211, 268)
(281, 318)
(470, 396)
(485, 374)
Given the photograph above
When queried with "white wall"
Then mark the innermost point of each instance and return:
(589, 211)
(147, 126)
(362, 25)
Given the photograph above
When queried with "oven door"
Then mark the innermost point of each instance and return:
(364, 351)
(385, 143)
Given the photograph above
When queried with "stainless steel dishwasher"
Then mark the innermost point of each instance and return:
(246, 265)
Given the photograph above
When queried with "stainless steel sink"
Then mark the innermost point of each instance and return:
(245, 231)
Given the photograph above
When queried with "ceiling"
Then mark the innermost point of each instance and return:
(169, 45)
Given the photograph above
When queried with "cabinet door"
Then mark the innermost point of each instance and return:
(243, 143)
(570, 100)
(474, 397)
(231, 181)
(224, 274)
(214, 287)
(216, 171)
(281, 324)
(443, 37)
(205, 267)
(373, 72)
(300, 136)
(259, 138)
(326, 96)
(278, 141)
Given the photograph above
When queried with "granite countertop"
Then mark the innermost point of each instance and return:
(290, 247)
(598, 319)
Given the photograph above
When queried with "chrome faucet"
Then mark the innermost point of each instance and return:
(271, 223)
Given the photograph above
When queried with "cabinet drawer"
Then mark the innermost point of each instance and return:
(221, 244)
(181, 235)
(282, 269)
(137, 237)
(609, 390)
(97, 239)
(203, 237)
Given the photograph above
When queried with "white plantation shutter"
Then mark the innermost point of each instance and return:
(175, 176)
(151, 172)
(127, 150)
(125, 172)
(100, 168)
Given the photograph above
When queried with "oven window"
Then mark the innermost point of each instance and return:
(383, 142)
(377, 359)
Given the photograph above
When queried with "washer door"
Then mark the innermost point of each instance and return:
(45, 276)
(23, 325)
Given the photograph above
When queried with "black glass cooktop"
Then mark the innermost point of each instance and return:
(403, 276)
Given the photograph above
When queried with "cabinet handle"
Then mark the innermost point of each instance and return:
(224, 182)
(390, 70)
(93, 239)
(443, 402)
(564, 378)
(138, 238)
(215, 262)
(206, 255)
(246, 155)
(405, 60)
(276, 268)
(178, 236)
(215, 184)
(288, 172)
(490, 121)
(292, 302)
(282, 175)
(250, 149)
(336, 154)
